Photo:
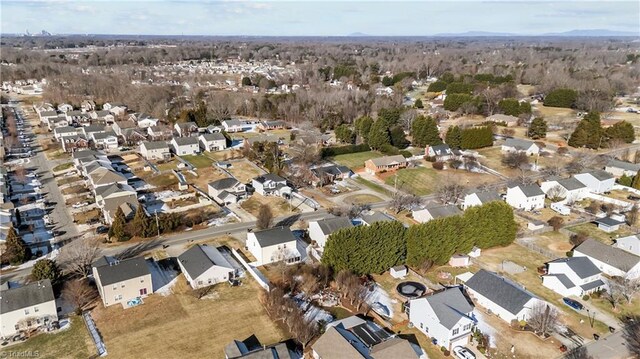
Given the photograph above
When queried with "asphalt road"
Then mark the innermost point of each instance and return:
(611, 347)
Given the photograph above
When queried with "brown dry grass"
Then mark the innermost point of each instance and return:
(244, 171)
(179, 323)
(279, 206)
(205, 175)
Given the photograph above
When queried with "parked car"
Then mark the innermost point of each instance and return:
(463, 353)
(573, 303)
(102, 230)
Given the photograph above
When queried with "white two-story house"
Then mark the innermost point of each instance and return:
(569, 189)
(210, 142)
(597, 181)
(27, 307)
(271, 184)
(528, 198)
(185, 146)
(273, 245)
(575, 276)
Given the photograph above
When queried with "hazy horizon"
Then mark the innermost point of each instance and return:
(314, 18)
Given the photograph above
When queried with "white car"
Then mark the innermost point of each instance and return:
(463, 353)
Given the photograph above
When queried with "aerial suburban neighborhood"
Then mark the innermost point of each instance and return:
(466, 196)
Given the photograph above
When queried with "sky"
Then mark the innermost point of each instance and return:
(315, 18)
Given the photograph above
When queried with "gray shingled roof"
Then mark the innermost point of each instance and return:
(376, 217)
(441, 150)
(531, 190)
(224, 183)
(566, 282)
(330, 225)
(499, 290)
(185, 141)
(450, 306)
(635, 167)
(217, 136)
(388, 160)
(270, 177)
(155, 145)
(274, 236)
(600, 175)
(488, 196)
(26, 296)
(610, 255)
(518, 144)
(199, 258)
(608, 221)
(591, 285)
(447, 210)
(571, 184)
(119, 271)
(582, 266)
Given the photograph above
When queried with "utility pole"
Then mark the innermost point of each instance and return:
(157, 223)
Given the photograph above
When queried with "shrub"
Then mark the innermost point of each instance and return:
(561, 98)
(562, 151)
(585, 297)
(389, 150)
(569, 254)
(406, 154)
(438, 165)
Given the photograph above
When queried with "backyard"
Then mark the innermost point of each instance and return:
(424, 180)
(355, 160)
(198, 161)
(180, 323)
(591, 230)
(86, 216)
(244, 171)
(278, 205)
(362, 199)
(73, 342)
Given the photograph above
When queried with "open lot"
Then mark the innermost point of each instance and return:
(362, 199)
(556, 242)
(199, 161)
(424, 180)
(492, 158)
(591, 230)
(73, 342)
(372, 185)
(180, 323)
(279, 206)
(356, 160)
(244, 171)
(86, 216)
(161, 180)
(205, 175)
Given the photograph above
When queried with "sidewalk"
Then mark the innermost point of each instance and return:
(604, 317)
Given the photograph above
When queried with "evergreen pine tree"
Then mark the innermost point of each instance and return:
(46, 269)
(16, 250)
(18, 217)
(140, 221)
(537, 128)
(636, 181)
(379, 135)
(453, 138)
(118, 230)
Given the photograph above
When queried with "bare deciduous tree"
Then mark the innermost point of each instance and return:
(264, 218)
(77, 256)
(400, 202)
(544, 318)
(79, 293)
(578, 353)
(450, 192)
(631, 334)
(515, 159)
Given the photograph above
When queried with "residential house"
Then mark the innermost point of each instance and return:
(610, 260)
(60, 132)
(386, 163)
(143, 120)
(619, 168)
(65, 107)
(30, 306)
(87, 106)
(185, 146)
(357, 338)
(103, 115)
(133, 136)
(435, 212)
(446, 317)
(104, 176)
(479, 198)
(77, 117)
(212, 142)
(610, 223)
(227, 191)
(119, 127)
(271, 184)
(116, 109)
(328, 174)
(630, 244)
(597, 181)
(266, 125)
(74, 143)
(213, 129)
(253, 349)
(186, 129)
(320, 230)
(509, 121)
(575, 276)
(109, 206)
(440, 152)
(107, 141)
(518, 145)
(46, 116)
(525, 197)
(569, 189)
(160, 133)
(156, 150)
(87, 131)
(273, 245)
(372, 217)
(204, 265)
(120, 281)
(59, 121)
(233, 125)
(502, 297)
(112, 191)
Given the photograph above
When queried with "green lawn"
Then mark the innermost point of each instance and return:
(199, 161)
(356, 160)
(63, 166)
(419, 181)
(374, 186)
(73, 342)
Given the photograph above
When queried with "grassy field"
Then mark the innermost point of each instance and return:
(73, 342)
(244, 171)
(205, 175)
(199, 161)
(372, 185)
(419, 181)
(591, 230)
(556, 242)
(180, 323)
(362, 199)
(85, 216)
(279, 206)
(356, 160)
(167, 166)
(162, 180)
(63, 166)
(64, 180)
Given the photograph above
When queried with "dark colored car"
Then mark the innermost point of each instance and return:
(573, 303)
(102, 230)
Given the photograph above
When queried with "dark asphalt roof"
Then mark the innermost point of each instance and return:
(186, 141)
(608, 221)
(624, 165)
(26, 296)
(488, 196)
(447, 210)
(270, 177)
(499, 290)
(199, 258)
(119, 271)
(600, 175)
(376, 217)
(217, 136)
(571, 184)
(441, 150)
(563, 279)
(531, 190)
(155, 145)
(610, 255)
(274, 236)
(518, 144)
(450, 306)
(582, 266)
(224, 183)
(330, 225)
(591, 285)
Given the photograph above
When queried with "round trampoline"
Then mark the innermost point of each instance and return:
(411, 289)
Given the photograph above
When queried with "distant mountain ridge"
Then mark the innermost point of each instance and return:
(585, 32)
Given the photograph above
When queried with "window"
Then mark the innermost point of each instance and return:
(467, 327)
(118, 297)
(16, 327)
(456, 331)
(122, 285)
(36, 309)
(26, 312)
(115, 287)
(143, 291)
(141, 280)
